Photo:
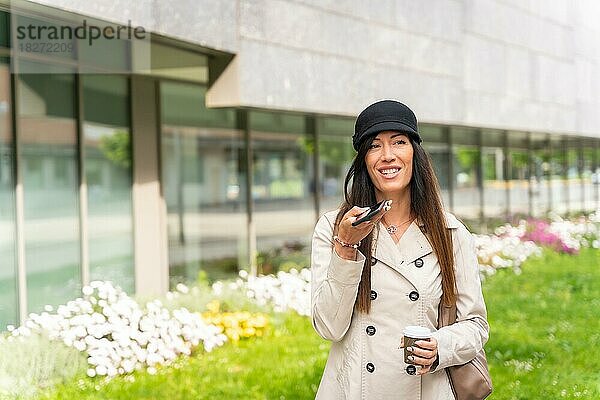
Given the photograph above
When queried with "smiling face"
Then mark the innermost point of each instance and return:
(389, 163)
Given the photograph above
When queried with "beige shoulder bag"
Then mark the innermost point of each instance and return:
(470, 381)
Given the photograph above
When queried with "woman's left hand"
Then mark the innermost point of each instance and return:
(424, 354)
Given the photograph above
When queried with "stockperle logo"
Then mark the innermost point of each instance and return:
(88, 32)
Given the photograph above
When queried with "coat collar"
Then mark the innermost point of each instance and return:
(412, 246)
(451, 221)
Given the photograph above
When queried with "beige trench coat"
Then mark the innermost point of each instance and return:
(365, 361)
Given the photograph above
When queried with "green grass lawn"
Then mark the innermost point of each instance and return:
(545, 328)
(545, 336)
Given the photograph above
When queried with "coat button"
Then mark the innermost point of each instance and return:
(414, 296)
(373, 295)
(371, 367)
(371, 330)
(419, 262)
(373, 261)
(411, 370)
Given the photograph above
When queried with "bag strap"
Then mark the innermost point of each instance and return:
(446, 314)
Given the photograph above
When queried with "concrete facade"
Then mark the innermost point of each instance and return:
(524, 65)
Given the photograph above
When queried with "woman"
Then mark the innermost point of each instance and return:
(372, 280)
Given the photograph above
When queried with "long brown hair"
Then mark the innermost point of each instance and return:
(426, 204)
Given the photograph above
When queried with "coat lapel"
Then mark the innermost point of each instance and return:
(399, 257)
(387, 251)
(412, 246)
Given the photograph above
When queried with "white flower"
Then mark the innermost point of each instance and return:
(182, 288)
(87, 290)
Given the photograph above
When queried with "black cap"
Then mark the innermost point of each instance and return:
(385, 115)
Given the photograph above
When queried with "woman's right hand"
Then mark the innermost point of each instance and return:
(353, 234)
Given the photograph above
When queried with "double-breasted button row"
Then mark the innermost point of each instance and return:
(371, 330)
(370, 367)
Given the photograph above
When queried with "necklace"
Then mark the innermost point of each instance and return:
(392, 229)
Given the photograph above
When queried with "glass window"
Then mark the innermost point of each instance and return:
(540, 174)
(574, 167)
(596, 174)
(435, 142)
(284, 214)
(464, 135)
(495, 188)
(432, 133)
(107, 166)
(204, 185)
(171, 62)
(90, 52)
(335, 157)
(589, 148)
(8, 276)
(48, 157)
(557, 174)
(44, 30)
(4, 29)
(466, 173)
(518, 160)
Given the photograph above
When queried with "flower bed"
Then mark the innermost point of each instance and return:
(117, 334)
(511, 245)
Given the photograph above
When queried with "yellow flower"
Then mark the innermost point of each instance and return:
(213, 306)
(235, 325)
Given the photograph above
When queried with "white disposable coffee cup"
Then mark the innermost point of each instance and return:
(413, 333)
(417, 332)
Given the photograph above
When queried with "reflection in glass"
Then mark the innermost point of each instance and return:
(175, 63)
(587, 174)
(540, 174)
(596, 175)
(466, 177)
(557, 174)
(335, 157)
(518, 160)
(574, 185)
(203, 181)
(8, 284)
(440, 157)
(42, 34)
(48, 144)
(107, 164)
(282, 189)
(494, 185)
(4, 30)
(435, 142)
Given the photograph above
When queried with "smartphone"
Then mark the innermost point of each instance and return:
(373, 210)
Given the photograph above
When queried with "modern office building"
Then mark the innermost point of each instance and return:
(221, 149)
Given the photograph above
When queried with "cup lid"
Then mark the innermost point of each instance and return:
(417, 332)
